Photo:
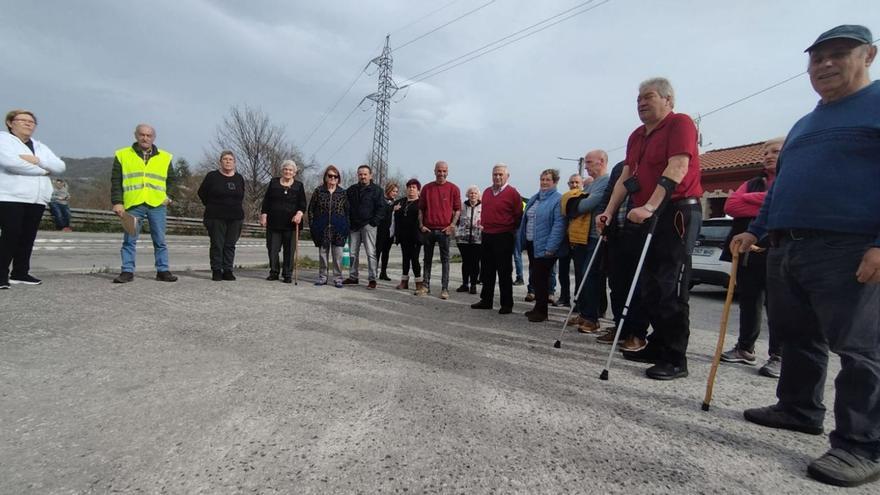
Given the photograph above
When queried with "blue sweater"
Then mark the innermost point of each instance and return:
(549, 224)
(828, 174)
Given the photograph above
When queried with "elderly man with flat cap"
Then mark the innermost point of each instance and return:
(822, 216)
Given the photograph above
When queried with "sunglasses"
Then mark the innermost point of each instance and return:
(332, 176)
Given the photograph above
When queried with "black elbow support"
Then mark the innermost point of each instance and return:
(669, 185)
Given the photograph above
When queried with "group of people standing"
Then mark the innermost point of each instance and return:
(809, 227)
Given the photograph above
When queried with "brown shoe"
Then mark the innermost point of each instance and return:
(371, 285)
(588, 327)
(403, 285)
(633, 344)
(421, 290)
(529, 297)
(576, 320)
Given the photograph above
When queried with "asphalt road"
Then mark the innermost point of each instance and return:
(252, 386)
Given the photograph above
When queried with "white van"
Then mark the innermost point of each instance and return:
(707, 267)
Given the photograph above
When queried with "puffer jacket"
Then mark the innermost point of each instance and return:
(549, 225)
(22, 182)
(469, 229)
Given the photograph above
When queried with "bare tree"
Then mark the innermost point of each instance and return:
(259, 147)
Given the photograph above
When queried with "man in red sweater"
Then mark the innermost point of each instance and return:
(500, 217)
(439, 208)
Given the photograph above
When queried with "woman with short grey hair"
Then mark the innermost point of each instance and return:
(281, 212)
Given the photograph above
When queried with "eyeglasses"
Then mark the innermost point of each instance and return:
(25, 121)
(332, 176)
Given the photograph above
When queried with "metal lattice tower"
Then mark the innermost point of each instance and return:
(382, 97)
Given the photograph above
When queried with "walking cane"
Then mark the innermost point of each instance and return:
(632, 289)
(296, 257)
(710, 384)
(577, 294)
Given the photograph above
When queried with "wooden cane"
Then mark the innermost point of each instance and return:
(724, 314)
(296, 257)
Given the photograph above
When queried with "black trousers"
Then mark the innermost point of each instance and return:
(409, 249)
(666, 280)
(383, 248)
(565, 278)
(18, 230)
(751, 284)
(280, 241)
(224, 234)
(624, 249)
(540, 278)
(496, 253)
(470, 263)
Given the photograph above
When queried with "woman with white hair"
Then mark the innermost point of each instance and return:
(282, 210)
(468, 235)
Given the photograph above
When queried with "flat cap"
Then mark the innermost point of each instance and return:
(847, 31)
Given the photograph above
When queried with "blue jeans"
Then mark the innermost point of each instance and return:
(60, 214)
(517, 257)
(816, 305)
(156, 217)
(588, 300)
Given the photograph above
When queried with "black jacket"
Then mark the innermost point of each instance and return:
(366, 205)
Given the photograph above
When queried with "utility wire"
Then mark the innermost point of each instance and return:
(429, 14)
(479, 52)
(744, 98)
(362, 71)
(353, 134)
(353, 110)
(462, 16)
(333, 107)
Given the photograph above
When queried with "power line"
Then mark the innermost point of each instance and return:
(353, 110)
(429, 14)
(462, 16)
(333, 107)
(353, 134)
(568, 13)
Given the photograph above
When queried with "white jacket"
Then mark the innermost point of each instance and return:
(21, 181)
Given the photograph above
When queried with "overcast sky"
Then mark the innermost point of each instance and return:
(91, 69)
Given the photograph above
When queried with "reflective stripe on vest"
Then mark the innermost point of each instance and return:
(143, 182)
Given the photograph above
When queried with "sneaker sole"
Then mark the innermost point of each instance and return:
(24, 282)
(739, 360)
(764, 372)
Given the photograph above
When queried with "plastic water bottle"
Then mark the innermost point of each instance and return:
(346, 256)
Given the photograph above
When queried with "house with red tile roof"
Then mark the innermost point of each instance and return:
(723, 170)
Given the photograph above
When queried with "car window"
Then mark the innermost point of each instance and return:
(715, 232)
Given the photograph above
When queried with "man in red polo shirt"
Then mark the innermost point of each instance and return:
(500, 217)
(662, 176)
(439, 208)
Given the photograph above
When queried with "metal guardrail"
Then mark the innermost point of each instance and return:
(82, 218)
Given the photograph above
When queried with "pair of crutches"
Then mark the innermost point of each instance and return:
(724, 314)
(651, 227)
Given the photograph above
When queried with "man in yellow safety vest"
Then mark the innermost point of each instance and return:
(138, 189)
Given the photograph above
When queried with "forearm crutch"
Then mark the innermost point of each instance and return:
(577, 294)
(632, 289)
(296, 256)
(710, 384)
